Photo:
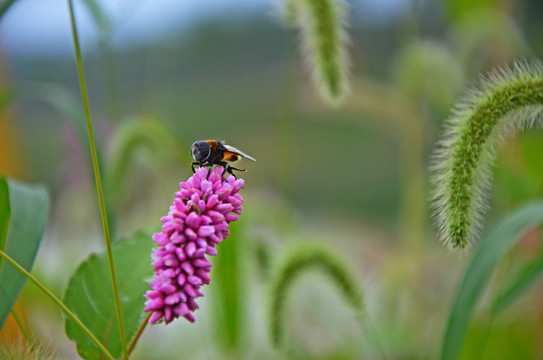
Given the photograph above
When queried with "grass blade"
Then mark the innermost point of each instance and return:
(478, 274)
(519, 285)
(97, 178)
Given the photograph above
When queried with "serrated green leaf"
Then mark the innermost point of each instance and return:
(23, 215)
(90, 296)
(478, 274)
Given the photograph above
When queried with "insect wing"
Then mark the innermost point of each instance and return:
(239, 152)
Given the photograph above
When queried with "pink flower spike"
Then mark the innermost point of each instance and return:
(193, 220)
(168, 315)
(190, 317)
(187, 268)
(194, 280)
(154, 304)
(206, 230)
(210, 250)
(181, 309)
(199, 252)
(156, 317)
(181, 279)
(201, 262)
(231, 217)
(191, 234)
(201, 243)
(190, 248)
(198, 219)
(172, 299)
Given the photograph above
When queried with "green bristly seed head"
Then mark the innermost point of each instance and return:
(300, 260)
(323, 41)
(505, 103)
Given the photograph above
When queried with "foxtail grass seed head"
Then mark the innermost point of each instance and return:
(303, 259)
(198, 220)
(506, 102)
(324, 43)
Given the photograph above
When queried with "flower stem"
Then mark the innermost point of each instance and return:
(24, 331)
(136, 337)
(97, 178)
(59, 303)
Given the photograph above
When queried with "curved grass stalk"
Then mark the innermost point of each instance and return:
(297, 262)
(58, 302)
(99, 190)
(323, 41)
(507, 102)
(132, 135)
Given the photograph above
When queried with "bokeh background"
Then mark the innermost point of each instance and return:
(163, 74)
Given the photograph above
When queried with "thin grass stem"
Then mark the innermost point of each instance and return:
(97, 178)
(58, 302)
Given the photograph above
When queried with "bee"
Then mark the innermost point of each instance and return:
(212, 152)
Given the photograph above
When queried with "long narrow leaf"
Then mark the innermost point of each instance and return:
(478, 274)
(519, 285)
(23, 215)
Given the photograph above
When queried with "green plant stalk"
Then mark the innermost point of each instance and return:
(58, 302)
(136, 337)
(300, 260)
(507, 102)
(229, 289)
(24, 331)
(97, 178)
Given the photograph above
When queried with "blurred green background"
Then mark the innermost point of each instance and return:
(354, 177)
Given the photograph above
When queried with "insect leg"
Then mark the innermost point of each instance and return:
(226, 166)
(233, 168)
(192, 166)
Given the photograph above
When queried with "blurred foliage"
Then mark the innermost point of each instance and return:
(23, 215)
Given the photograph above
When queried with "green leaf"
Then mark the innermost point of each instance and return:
(478, 274)
(90, 296)
(23, 215)
(519, 285)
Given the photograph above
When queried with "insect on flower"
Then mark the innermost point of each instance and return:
(212, 152)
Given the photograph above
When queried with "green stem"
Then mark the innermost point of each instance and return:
(97, 178)
(59, 303)
(24, 331)
(136, 337)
